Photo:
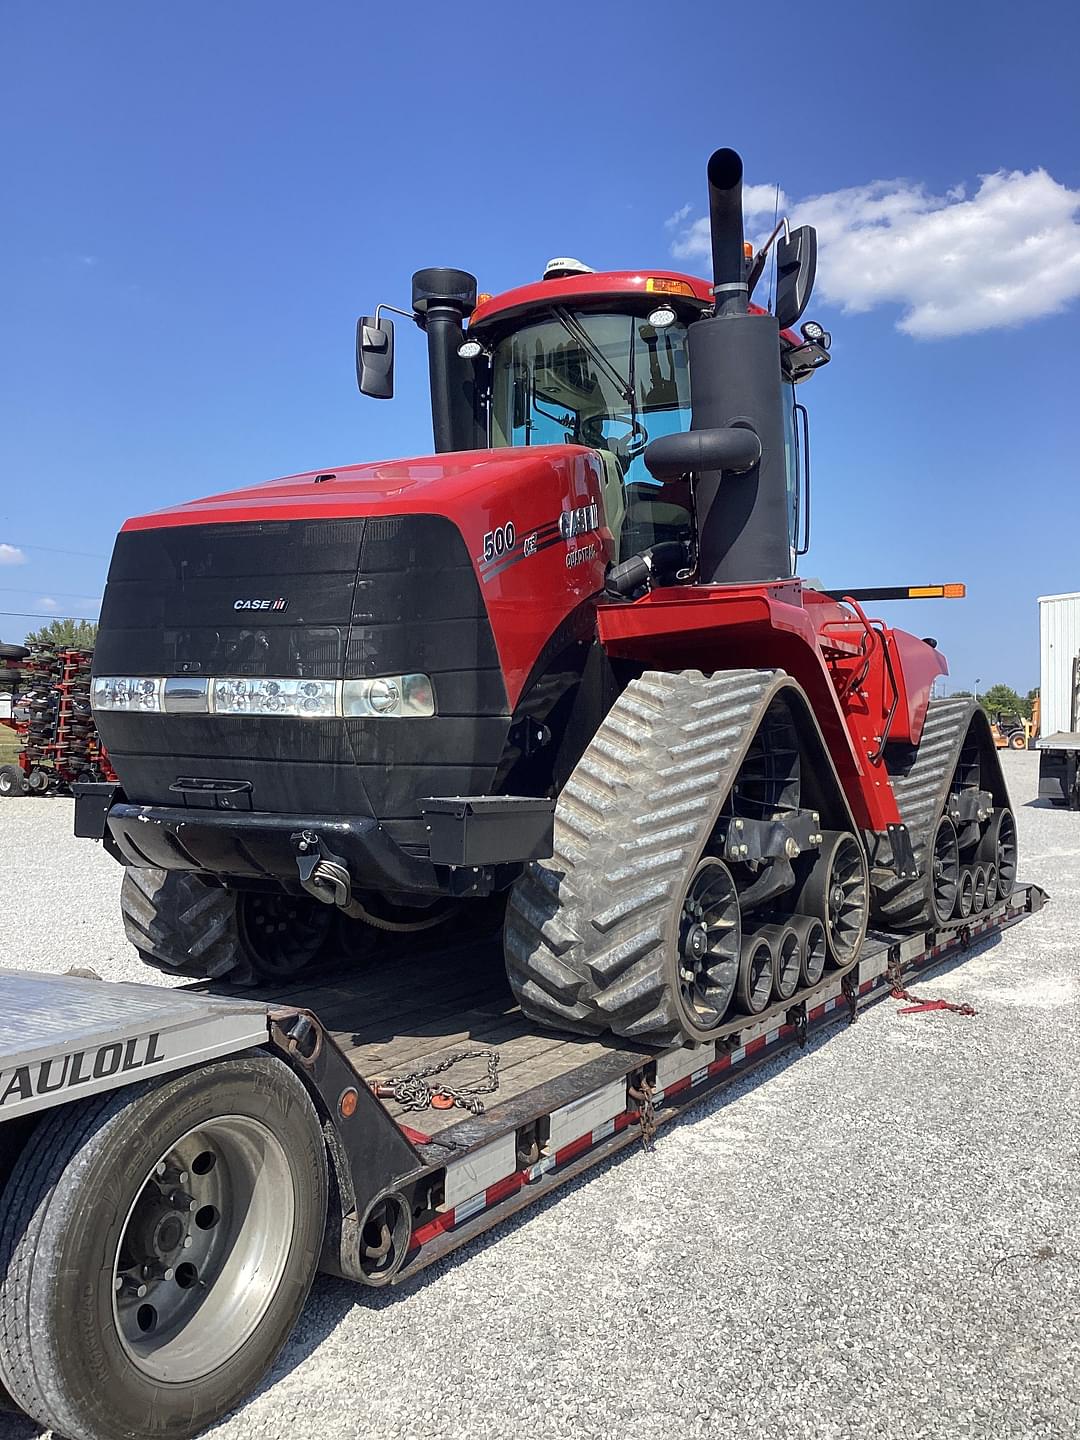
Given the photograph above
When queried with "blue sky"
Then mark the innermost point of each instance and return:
(200, 198)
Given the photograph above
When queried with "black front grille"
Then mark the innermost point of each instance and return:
(382, 596)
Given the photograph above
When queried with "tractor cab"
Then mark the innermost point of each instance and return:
(584, 358)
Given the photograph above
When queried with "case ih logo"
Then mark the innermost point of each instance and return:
(279, 604)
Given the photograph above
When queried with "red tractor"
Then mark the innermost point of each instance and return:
(564, 664)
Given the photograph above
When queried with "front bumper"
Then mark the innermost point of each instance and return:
(475, 842)
(248, 846)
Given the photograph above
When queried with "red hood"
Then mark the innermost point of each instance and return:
(428, 485)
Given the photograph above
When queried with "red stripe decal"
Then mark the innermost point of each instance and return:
(503, 1188)
(576, 1147)
(428, 1231)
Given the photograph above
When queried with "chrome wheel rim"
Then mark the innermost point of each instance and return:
(203, 1249)
(709, 944)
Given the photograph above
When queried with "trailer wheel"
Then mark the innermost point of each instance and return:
(12, 781)
(158, 1245)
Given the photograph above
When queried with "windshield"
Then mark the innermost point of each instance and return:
(613, 383)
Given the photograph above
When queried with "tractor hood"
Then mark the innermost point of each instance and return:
(459, 485)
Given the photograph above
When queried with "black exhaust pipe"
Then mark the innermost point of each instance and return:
(442, 298)
(735, 382)
(725, 174)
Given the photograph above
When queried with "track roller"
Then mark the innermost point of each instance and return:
(978, 885)
(812, 947)
(787, 957)
(965, 898)
(757, 972)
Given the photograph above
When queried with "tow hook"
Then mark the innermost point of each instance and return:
(322, 873)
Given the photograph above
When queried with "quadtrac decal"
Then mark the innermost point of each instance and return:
(503, 546)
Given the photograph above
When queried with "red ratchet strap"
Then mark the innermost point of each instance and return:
(918, 1006)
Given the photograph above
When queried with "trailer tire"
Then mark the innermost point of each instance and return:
(183, 925)
(70, 1208)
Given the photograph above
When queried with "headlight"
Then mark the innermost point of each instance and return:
(112, 692)
(389, 695)
(384, 697)
(240, 695)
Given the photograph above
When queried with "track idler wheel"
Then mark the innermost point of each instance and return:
(757, 969)
(710, 936)
(944, 871)
(998, 847)
(837, 892)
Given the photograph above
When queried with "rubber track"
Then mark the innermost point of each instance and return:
(921, 792)
(182, 925)
(588, 933)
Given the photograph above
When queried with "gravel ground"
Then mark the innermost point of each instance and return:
(879, 1238)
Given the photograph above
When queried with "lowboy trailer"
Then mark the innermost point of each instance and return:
(176, 1164)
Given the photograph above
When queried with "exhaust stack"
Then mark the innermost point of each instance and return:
(742, 518)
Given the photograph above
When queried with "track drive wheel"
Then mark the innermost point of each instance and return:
(157, 1246)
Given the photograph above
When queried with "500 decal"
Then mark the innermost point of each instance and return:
(499, 542)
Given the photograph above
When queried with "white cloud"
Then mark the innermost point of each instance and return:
(12, 555)
(955, 265)
(48, 603)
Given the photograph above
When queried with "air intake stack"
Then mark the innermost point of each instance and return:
(742, 519)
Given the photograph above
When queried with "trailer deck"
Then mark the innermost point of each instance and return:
(563, 1101)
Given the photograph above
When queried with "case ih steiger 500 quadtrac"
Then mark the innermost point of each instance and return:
(355, 696)
(562, 670)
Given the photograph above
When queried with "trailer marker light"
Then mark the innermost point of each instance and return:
(660, 285)
(347, 1103)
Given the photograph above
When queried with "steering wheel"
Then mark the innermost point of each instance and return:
(626, 447)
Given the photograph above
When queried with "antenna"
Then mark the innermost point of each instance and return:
(772, 273)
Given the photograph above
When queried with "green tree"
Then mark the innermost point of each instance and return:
(78, 634)
(1003, 700)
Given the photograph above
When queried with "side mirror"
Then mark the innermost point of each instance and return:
(375, 357)
(796, 269)
(732, 448)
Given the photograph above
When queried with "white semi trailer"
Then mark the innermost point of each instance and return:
(1059, 742)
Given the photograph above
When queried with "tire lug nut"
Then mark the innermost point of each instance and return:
(181, 1200)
